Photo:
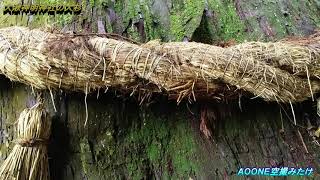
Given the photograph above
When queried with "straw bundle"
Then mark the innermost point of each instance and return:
(28, 159)
(285, 71)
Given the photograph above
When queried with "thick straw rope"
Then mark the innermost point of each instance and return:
(285, 71)
(29, 159)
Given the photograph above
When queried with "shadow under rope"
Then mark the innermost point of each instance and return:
(5, 82)
(59, 147)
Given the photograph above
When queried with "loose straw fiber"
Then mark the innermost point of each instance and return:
(284, 71)
(28, 159)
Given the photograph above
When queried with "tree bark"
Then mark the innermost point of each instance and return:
(160, 139)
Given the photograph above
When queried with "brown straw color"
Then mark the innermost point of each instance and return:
(29, 159)
(284, 71)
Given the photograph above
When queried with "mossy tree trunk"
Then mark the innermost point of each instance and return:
(160, 140)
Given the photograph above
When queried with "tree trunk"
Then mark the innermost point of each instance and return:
(160, 139)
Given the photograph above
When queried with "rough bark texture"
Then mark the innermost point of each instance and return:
(160, 140)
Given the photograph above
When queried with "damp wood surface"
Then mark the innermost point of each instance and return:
(161, 140)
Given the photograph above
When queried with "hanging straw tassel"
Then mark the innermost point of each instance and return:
(29, 159)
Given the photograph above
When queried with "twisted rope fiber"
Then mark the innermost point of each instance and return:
(284, 71)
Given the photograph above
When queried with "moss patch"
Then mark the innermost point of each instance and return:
(185, 17)
(228, 23)
(152, 146)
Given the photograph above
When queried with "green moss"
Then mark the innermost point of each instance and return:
(228, 25)
(176, 27)
(280, 23)
(183, 154)
(313, 9)
(185, 17)
(278, 16)
(165, 145)
(166, 142)
(154, 152)
(129, 11)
